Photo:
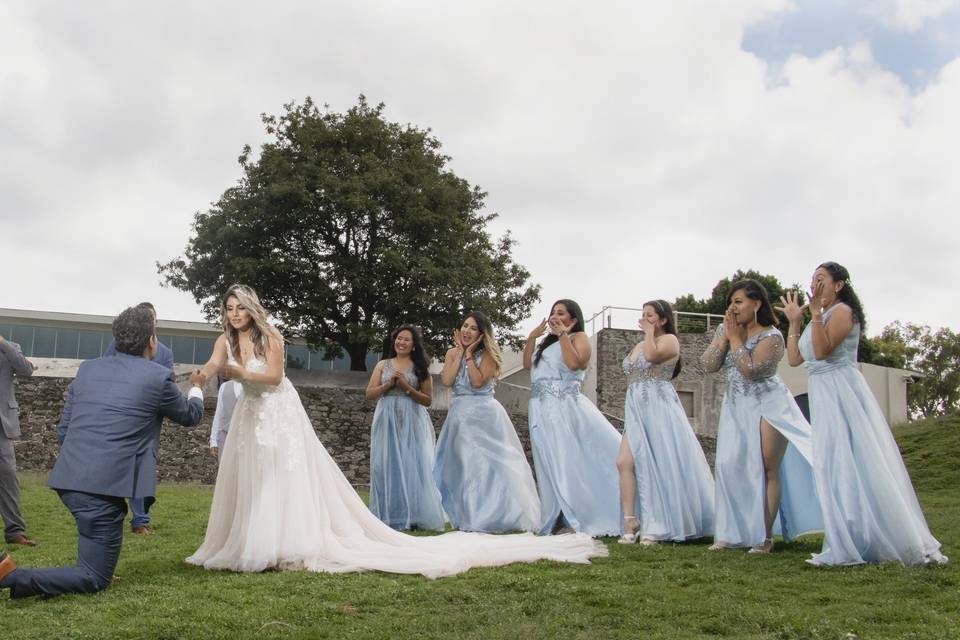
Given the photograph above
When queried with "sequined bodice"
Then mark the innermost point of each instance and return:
(646, 380)
(387, 372)
(641, 370)
(553, 377)
(761, 370)
(845, 355)
(462, 386)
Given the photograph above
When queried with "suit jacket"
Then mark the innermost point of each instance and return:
(110, 420)
(163, 355)
(12, 363)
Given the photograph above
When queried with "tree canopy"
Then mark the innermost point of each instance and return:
(349, 225)
(934, 354)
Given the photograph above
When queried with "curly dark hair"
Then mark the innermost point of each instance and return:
(755, 291)
(132, 330)
(418, 355)
(846, 294)
(574, 310)
(664, 311)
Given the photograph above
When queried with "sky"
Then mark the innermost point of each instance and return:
(635, 150)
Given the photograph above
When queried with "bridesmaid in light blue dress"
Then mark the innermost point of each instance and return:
(764, 476)
(870, 509)
(481, 469)
(664, 476)
(402, 492)
(574, 446)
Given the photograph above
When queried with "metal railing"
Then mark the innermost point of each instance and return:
(627, 317)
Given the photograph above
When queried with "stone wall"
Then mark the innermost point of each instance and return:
(701, 393)
(341, 418)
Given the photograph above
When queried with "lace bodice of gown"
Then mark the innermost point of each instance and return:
(645, 377)
(462, 386)
(389, 368)
(748, 370)
(551, 376)
(642, 370)
(843, 356)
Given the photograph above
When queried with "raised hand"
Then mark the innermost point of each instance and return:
(816, 297)
(215, 452)
(457, 343)
(473, 346)
(538, 330)
(731, 328)
(791, 307)
(648, 327)
(557, 327)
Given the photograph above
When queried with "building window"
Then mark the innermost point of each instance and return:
(182, 347)
(67, 342)
(298, 356)
(24, 337)
(44, 342)
(203, 350)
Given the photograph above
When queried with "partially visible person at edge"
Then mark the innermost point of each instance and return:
(870, 510)
(764, 474)
(227, 396)
(12, 365)
(111, 416)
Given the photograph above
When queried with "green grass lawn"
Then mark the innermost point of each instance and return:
(671, 591)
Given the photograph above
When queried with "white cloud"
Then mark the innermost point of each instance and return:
(908, 15)
(636, 152)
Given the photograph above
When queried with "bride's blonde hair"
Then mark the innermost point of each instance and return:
(260, 332)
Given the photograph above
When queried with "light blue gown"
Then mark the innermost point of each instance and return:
(574, 451)
(482, 472)
(870, 509)
(402, 492)
(739, 462)
(674, 484)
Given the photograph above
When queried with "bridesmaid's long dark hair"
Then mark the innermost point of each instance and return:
(574, 310)
(755, 291)
(665, 312)
(846, 294)
(418, 355)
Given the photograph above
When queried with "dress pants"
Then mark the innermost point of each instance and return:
(140, 512)
(99, 539)
(13, 524)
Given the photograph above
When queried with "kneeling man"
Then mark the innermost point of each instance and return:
(110, 420)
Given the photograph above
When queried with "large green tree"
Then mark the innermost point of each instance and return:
(717, 302)
(934, 354)
(348, 225)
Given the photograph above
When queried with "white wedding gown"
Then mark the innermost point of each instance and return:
(281, 501)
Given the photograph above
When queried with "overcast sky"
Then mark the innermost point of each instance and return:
(636, 150)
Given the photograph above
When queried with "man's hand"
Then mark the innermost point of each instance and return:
(198, 378)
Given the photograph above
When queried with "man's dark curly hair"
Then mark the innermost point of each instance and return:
(132, 330)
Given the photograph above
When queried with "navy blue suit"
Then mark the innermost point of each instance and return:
(140, 507)
(111, 418)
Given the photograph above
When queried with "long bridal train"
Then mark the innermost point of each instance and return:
(282, 502)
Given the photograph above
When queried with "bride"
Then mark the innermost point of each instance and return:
(280, 501)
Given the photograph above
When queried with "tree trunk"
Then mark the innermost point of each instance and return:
(358, 356)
